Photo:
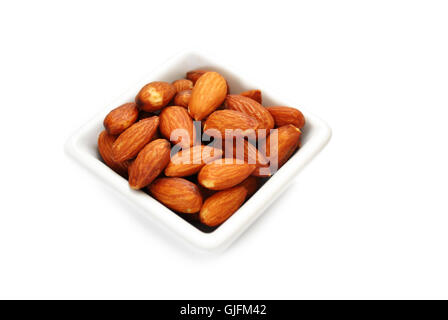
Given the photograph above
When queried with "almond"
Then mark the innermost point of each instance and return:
(194, 75)
(155, 95)
(189, 161)
(149, 163)
(105, 142)
(121, 118)
(287, 115)
(177, 118)
(251, 108)
(251, 185)
(221, 174)
(221, 120)
(253, 94)
(178, 194)
(208, 93)
(182, 84)
(262, 172)
(133, 139)
(182, 98)
(281, 144)
(244, 150)
(220, 206)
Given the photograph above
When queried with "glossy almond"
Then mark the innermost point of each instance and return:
(155, 95)
(220, 206)
(287, 115)
(133, 139)
(178, 194)
(182, 98)
(176, 125)
(281, 144)
(105, 142)
(251, 108)
(241, 123)
(121, 118)
(182, 84)
(149, 163)
(189, 161)
(221, 174)
(194, 75)
(253, 94)
(208, 93)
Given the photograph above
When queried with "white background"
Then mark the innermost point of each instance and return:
(368, 218)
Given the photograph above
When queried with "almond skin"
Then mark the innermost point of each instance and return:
(149, 163)
(194, 75)
(288, 138)
(221, 174)
(253, 94)
(182, 98)
(233, 120)
(133, 139)
(248, 152)
(105, 142)
(172, 118)
(189, 161)
(178, 194)
(182, 84)
(251, 108)
(121, 118)
(155, 95)
(287, 115)
(208, 93)
(220, 206)
(251, 185)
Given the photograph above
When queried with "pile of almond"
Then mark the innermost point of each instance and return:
(195, 147)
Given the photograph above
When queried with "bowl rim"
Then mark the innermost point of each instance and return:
(77, 147)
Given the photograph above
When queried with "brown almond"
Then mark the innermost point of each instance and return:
(182, 84)
(281, 144)
(178, 194)
(253, 94)
(121, 118)
(177, 118)
(149, 163)
(221, 174)
(182, 98)
(220, 206)
(208, 93)
(251, 185)
(133, 139)
(244, 150)
(287, 115)
(251, 108)
(155, 95)
(188, 162)
(242, 124)
(194, 75)
(105, 142)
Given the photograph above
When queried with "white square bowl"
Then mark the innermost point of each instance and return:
(82, 146)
